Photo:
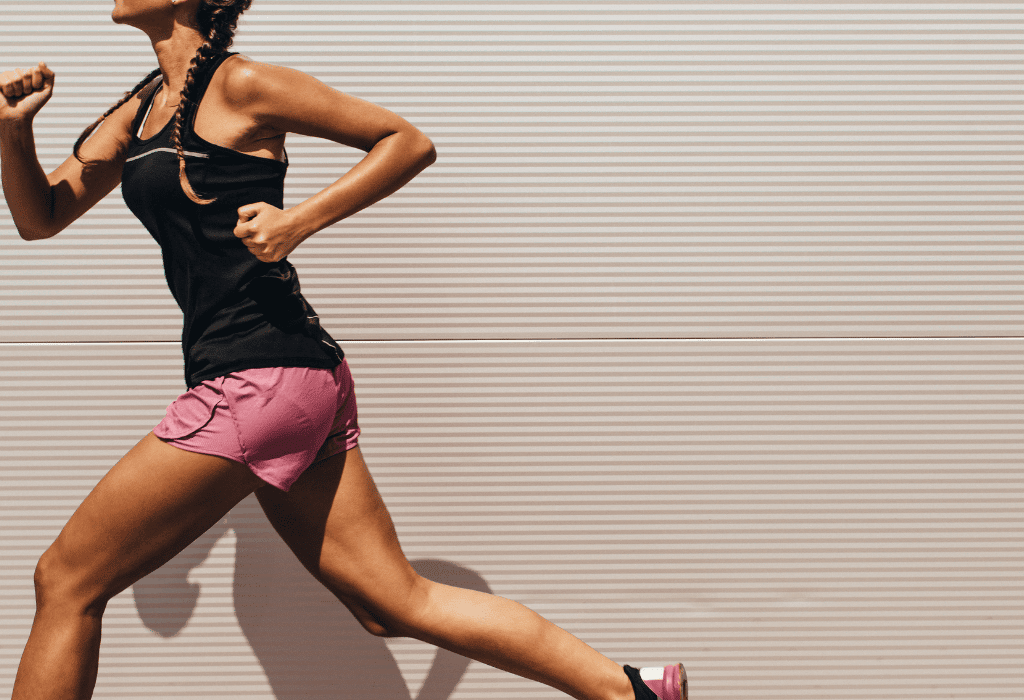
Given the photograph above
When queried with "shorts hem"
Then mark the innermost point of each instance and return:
(277, 484)
(214, 453)
(348, 446)
(200, 450)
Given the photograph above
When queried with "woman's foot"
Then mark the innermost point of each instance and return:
(667, 683)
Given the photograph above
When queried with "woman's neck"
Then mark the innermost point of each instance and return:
(174, 53)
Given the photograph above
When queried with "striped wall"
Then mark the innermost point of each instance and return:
(703, 338)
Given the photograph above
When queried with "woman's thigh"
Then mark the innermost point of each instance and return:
(154, 502)
(336, 523)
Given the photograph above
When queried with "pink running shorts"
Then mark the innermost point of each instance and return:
(276, 420)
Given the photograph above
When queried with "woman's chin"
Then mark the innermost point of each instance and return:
(121, 15)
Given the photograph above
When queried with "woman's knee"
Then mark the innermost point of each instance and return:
(392, 612)
(369, 621)
(59, 583)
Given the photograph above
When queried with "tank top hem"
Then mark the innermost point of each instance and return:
(226, 369)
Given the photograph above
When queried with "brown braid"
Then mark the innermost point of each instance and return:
(217, 20)
(92, 127)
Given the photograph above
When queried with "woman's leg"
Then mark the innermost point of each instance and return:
(151, 505)
(336, 523)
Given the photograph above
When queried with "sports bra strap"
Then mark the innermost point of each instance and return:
(146, 97)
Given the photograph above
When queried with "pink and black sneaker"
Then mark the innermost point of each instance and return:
(667, 683)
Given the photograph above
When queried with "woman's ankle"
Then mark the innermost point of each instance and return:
(640, 689)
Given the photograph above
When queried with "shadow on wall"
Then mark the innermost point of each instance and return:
(307, 642)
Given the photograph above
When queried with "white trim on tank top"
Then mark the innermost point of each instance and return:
(164, 149)
(142, 125)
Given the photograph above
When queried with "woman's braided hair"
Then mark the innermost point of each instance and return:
(92, 127)
(217, 21)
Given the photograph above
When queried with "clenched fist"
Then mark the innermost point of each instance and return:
(25, 91)
(266, 231)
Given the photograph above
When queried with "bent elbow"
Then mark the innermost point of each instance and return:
(27, 234)
(428, 154)
(37, 223)
(34, 234)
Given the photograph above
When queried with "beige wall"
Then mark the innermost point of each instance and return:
(553, 334)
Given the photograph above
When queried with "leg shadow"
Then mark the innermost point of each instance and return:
(166, 598)
(308, 644)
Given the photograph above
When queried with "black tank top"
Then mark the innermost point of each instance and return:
(240, 313)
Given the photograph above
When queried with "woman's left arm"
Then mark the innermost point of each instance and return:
(282, 100)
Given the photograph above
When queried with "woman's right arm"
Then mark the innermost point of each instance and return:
(43, 205)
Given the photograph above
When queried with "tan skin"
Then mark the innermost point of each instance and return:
(157, 499)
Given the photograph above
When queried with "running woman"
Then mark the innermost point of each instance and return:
(198, 149)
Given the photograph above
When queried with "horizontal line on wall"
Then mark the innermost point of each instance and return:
(595, 339)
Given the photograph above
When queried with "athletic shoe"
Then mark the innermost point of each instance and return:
(667, 683)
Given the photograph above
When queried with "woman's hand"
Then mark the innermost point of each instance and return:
(266, 231)
(25, 91)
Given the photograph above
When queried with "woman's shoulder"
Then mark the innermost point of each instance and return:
(241, 81)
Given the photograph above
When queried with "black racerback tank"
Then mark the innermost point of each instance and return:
(239, 313)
